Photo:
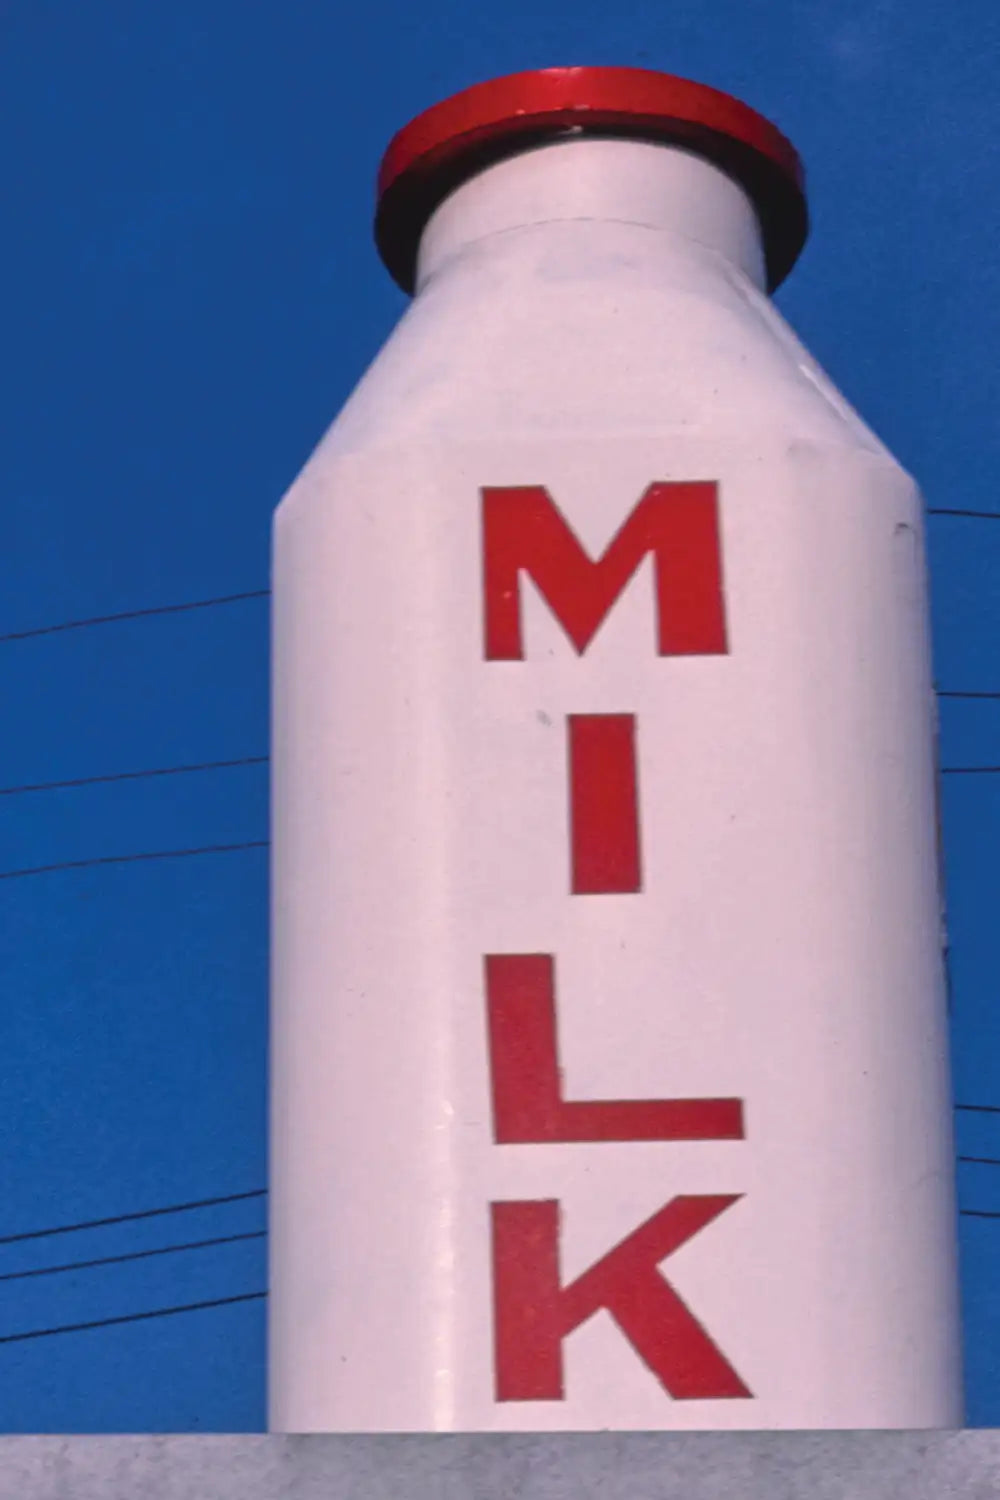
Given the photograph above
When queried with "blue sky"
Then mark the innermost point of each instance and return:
(190, 293)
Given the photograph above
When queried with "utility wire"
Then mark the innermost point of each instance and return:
(167, 1312)
(171, 609)
(221, 599)
(145, 1213)
(127, 859)
(174, 1208)
(263, 760)
(232, 1239)
(159, 1312)
(133, 614)
(978, 515)
(262, 1192)
(114, 1260)
(945, 693)
(206, 765)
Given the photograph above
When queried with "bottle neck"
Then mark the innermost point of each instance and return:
(583, 178)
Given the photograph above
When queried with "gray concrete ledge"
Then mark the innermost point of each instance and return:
(584, 1466)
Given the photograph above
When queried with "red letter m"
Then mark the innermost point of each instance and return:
(677, 523)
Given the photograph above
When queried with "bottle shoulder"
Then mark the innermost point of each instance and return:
(576, 334)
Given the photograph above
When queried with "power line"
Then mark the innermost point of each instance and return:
(170, 609)
(159, 1312)
(206, 765)
(983, 1109)
(952, 693)
(127, 859)
(145, 1213)
(263, 760)
(114, 1260)
(133, 614)
(229, 1239)
(978, 515)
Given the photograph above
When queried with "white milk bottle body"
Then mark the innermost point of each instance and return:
(609, 1041)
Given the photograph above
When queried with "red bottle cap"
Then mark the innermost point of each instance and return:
(452, 140)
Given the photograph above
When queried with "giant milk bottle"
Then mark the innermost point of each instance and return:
(609, 1058)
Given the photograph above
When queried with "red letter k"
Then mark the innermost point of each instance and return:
(533, 1313)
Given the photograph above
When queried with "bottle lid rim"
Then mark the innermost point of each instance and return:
(448, 143)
